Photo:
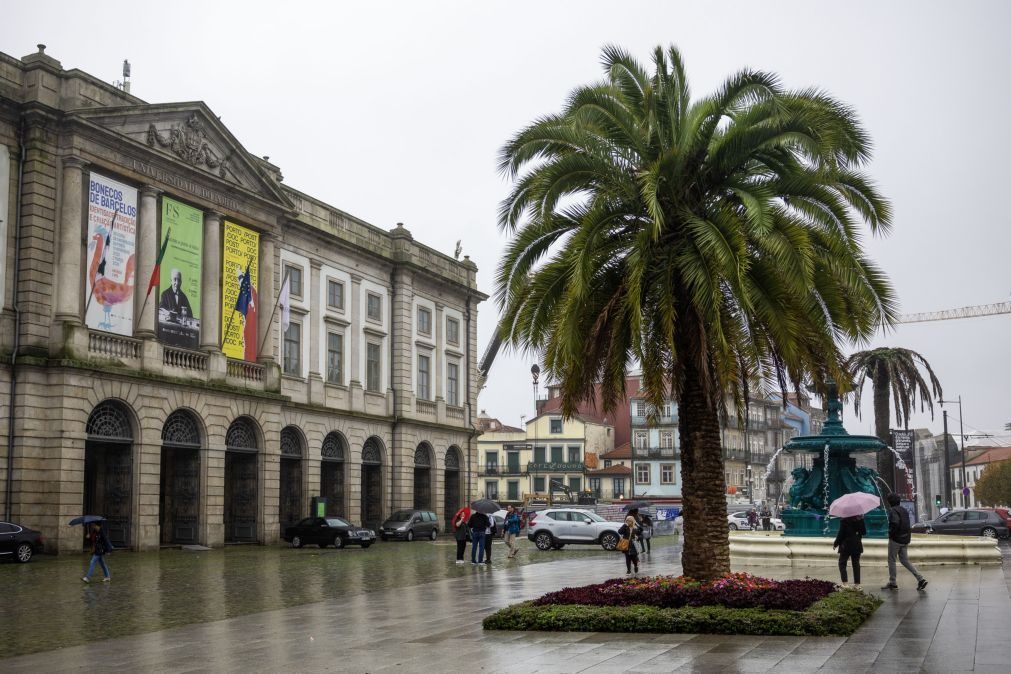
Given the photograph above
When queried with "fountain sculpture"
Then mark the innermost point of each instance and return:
(833, 474)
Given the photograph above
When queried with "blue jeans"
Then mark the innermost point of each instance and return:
(101, 560)
(477, 549)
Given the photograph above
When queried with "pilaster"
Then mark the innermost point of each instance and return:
(210, 297)
(147, 254)
(69, 278)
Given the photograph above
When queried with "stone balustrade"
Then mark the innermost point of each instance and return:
(245, 372)
(425, 408)
(113, 346)
(194, 361)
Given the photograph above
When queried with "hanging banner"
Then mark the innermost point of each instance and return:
(112, 237)
(239, 301)
(182, 232)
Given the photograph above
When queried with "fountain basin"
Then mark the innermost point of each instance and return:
(811, 523)
(775, 549)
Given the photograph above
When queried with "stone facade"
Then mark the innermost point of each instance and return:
(249, 443)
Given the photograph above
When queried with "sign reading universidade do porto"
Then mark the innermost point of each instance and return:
(182, 234)
(112, 237)
(239, 271)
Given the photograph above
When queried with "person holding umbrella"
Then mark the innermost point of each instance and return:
(849, 541)
(479, 524)
(100, 545)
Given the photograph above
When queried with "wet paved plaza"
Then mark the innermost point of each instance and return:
(407, 607)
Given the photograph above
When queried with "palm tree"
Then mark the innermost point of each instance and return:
(894, 374)
(706, 240)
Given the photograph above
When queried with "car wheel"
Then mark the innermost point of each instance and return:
(733, 527)
(990, 532)
(609, 540)
(544, 540)
(23, 553)
(410, 535)
(296, 542)
(434, 534)
(338, 542)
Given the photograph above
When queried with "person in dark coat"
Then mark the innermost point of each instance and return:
(849, 541)
(461, 532)
(899, 536)
(478, 523)
(99, 546)
(630, 530)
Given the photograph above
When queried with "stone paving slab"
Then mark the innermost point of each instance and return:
(436, 627)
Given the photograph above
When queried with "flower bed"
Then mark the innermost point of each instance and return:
(736, 604)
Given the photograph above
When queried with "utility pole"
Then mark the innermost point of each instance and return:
(961, 432)
(947, 463)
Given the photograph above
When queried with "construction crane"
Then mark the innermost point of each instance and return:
(961, 312)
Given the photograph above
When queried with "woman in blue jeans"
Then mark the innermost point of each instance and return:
(478, 523)
(99, 546)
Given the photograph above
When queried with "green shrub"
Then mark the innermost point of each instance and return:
(838, 614)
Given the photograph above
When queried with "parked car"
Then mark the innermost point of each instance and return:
(973, 522)
(410, 524)
(557, 527)
(324, 531)
(19, 543)
(739, 520)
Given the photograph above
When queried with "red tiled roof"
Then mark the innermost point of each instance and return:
(610, 470)
(622, 452)
(991, 455)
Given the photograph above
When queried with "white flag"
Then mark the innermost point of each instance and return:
(285, 301)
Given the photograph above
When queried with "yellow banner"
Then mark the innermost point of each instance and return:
(240, 251)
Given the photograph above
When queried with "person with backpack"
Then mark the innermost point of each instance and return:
(478, 523)
(100, 545)
(899, 535)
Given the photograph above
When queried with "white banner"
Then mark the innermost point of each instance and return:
(112, 239)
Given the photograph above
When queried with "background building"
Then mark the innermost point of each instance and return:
(191, 415)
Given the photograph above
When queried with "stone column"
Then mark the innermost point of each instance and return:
(147, 253)
(313, 319)
(210, 285)
(69, 277)
(356, 330)
(266, 296)
(439, 356)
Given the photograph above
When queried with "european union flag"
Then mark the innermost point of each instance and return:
(245, 293)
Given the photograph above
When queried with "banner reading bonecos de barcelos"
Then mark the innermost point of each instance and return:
(112, 236)
(240, 251)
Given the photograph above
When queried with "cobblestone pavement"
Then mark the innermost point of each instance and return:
(430, 620)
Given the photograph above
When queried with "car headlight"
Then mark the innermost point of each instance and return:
(404, 528)
(372, 533)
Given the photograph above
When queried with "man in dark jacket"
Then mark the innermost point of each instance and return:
(478, 524)
(899, 535)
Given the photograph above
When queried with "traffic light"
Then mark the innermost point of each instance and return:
(937, 500)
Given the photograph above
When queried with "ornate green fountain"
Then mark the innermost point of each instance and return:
(833, 474)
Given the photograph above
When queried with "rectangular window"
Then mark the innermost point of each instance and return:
(491, 489)
(640, 408)
(575, 484)
(452, 384)
(667, 475)
(574, 453)
(666, 439)
(335, 294)
(294, 275)
(556, 425)
(667, 409)
(373, 364)
(452, 331)
(642, 473)
(595, 486)
(424, 378)
(618, 487)
(640, 439)
(424, 321)
(513, 490)
(539, 455)
(557, 454)
(293, 349)
(539, 485)
(491, 461)
(335, 358)
(374, 305)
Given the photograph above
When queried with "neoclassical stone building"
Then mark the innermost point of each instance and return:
(204, 410)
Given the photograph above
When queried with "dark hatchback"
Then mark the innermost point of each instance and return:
(324, 531)
(972, 522)
(19, 543)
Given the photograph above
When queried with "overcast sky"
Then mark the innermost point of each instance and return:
(395, 112)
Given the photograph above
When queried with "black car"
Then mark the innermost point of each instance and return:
(410, 524)
(324, 531)
(973, 522)
(18, 542)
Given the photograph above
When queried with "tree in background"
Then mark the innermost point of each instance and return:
(993, 488)
(714, 242)
(895, 376)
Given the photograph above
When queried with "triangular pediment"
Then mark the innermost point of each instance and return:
(191, 134)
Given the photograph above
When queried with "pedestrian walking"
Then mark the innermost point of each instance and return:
(850, 543)
(478, 524)
(766, 518)
(512, 530)
(100, 545)
(752, 519)
(646, 533)
(461, 531)
(628, 532)
(899, 535)
(489, 534)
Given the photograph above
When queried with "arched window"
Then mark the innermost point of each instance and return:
(291, 443)
(181, 430)
(452, 459)
(241, 436)
(422, 457)
(109, 422)
(333, 447)
(371, 453)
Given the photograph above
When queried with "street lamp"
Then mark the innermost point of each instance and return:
(961, 433)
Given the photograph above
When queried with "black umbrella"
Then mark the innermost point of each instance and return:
(634, 504)
(486, 506)
(86, 519)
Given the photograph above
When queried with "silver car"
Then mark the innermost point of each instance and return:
(557, 527)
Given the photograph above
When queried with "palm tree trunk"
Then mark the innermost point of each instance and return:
(706, 553)
(883, 422)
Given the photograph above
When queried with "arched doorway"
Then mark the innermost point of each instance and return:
(241, 484)
(372, 483)
(108, 469)
(423, 477)
(331, 473)
(290, 502)
(179, 497)
(451, 486)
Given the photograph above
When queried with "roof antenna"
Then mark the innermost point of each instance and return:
(125, 83)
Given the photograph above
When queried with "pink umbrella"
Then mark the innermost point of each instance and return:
(851, 505)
